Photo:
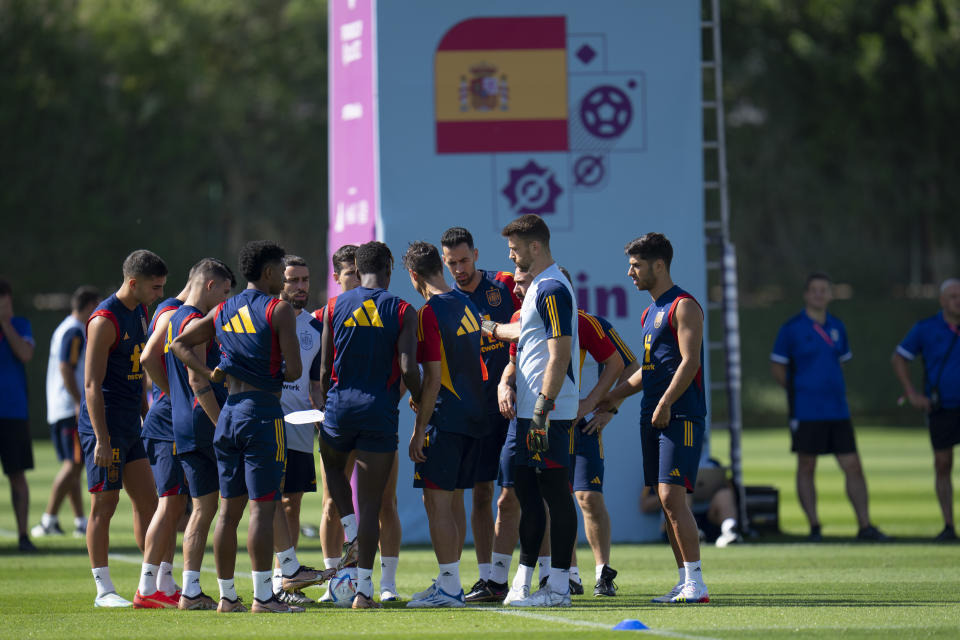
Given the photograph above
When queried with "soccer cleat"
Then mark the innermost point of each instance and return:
(273, 606)
(351, 553)
(691, 593)
(293, 597)
(26, 545)
(438, 598)
(516, 594)
(871, 534)
(306, 576)
(420, 595)
(199, 602)
(156, 600)
(486, 591)
(40, 531)
(949, 534)
(545, 597)
(111, 599)
(231, 606)
(362, 601)
(815, 534)
(728, 537)
(669, 596)
(576, 588)
(389, 595)
(605, 585)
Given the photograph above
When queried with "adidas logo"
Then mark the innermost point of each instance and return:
(240, 322)
(286, 560)
(536, 457)
(195, 581)
(126, 336)
(268, 580)
(365, 316)
(416, 476)
(596, 480)
(97, 579)
(675, 473)
(499, 563)
(148, 573)
(468, 323)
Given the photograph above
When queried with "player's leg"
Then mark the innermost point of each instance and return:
(75, 493)
(460, 513)
(596, 525)
(160, 539)
(943, 468)
(225, 550)
(20, 497)
(63, 482)
(856, 486)
(138, 483)
(531, 527)
(331, 531)
(587, 480)
(391, 534)
(722, 512)
(373, 472)
(337, 482)
(445, 536)
(103, 504)
(807, 491)
(482, 525)
(194, 544)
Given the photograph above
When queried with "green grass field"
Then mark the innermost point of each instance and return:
(767, 589)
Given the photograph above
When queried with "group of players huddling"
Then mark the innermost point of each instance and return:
(508, 380)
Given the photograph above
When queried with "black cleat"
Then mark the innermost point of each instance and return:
(605, 585)
(815, 535)
(486, 591)
(871, 534)
(25, 545)
(576, 588)
(949, 534)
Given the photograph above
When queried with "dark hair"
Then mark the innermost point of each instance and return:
(144, 263)
(564, 271)
(83, 297)
(816, 275)
(455, 236)
(257, 254)
(651, 247)
(5, 288)
(347, 254)
(529, 227)
(374, 257)
(209, 268)
(423, 259)
(291, 260)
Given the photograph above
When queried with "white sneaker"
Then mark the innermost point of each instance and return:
(111, 599)
(690, 593)
(727, 538)
(517, 593)
(420, 595)
(389, 595)
(327, 596)
(438, 598)
(40, 531)
(670, 595)
(545, 597)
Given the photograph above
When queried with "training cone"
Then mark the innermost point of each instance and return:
(630, 625)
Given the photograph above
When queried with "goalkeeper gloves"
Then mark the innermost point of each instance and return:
(537, 440)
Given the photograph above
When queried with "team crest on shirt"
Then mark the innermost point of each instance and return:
(835, 335)
(306, 340)
(658, 320)
(493, 297)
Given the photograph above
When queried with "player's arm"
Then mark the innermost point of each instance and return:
(631, 382)
(285, 324)
(780, 356)
(600, 347)
(151, 358)
(612, 368)
(198, 332)
(144, 395)
(101, 335)
(505, 332)
(326, 360)
(507, 390)
(69, 360)
(428, 399)
(606, 408)
(21, 345)
(407, 354)
(689, 338)
(901, 368)
(779, 373)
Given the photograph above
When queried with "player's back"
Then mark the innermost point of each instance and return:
(66, 345)
(595, 347)
(249, 348)
(365, 385)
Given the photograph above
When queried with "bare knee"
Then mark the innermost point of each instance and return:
(507, 503)
(591, 502)
(482, 494)
(103, 505)
(850, 463)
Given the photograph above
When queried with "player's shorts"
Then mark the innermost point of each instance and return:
(110, 478)
(818, 437)
(250, 446)
(301, 473)
(557, 455)
(586, 464)
(672, 455)
(16, 448)
(944, 428)
(491, 446)
(167, 472)
(66, 442)
(451, 461)
(348, 439)
(200, 470)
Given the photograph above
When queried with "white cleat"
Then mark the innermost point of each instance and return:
(691, 593)
(516, 593)
(669, 596)
(111, 599)
(728, 538)
(436, 598)
(389, 595)
(420, 595)
(544, 597)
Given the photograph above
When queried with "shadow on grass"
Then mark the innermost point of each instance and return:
(80, 550)
(787, 538)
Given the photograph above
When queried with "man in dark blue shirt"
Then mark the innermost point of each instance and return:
(806, 361)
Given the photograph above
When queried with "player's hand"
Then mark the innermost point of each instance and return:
(414, 406)
(537, 439)
(586, 406)
(919, 401)
(507, 401)
(416, 446)
(102, 454)
(488, 327)
(599, 421)
(218, 375)
(661, 416)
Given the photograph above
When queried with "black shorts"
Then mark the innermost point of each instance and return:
(451, 461)
(944, 428)
(491, 445)
(301, 473)
(818, 437)
(16, 449)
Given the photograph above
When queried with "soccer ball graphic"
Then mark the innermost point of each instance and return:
(606, 112)
(342, 590)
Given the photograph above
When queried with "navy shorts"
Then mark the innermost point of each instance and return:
(348, 439)
(66, 442)
(200, 470)
(250, 445)
(557, 455)
(818, 437)
(16, 447)
(672, 455)
(167, 472)
(451, 461)
(301, 473)
(586, 464)
(491, 446)
(125, 451)
(944, 428)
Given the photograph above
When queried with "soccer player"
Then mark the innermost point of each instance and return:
(110, 416)
(936, 339)
(673, 410)
(806, 361)
(451, 415)
(258, 352)
(64, 382)
(491, 292)
(195, 404)
(369, 344)
(539, 448)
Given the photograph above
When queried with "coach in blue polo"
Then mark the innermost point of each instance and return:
(806, 361)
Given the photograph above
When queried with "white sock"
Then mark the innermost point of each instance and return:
(49, 519)
(388, 573)
(681, 575)
(500, 568)
(277, 579)
(365, 582)
(728, 525)
(289, 564)
(165, 581)
(524, 576)
(330, 563)
(262, 585)
(599, 571)
(349, 526)
(559, 581)
(80, 522)
(148, 579)
(101, 575)
(485, 568)
(575, 574)
(191, 583)
(227, 590)
(692, 572)
(543, 567)
(449, 578)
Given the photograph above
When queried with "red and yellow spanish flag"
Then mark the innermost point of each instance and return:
(501, 85)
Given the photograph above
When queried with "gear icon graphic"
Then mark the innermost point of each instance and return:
(532, 189)
(606, 111)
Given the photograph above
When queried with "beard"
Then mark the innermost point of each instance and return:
(294, 302)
